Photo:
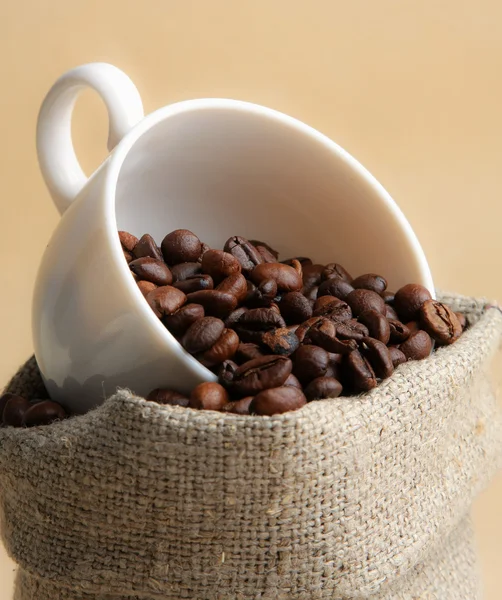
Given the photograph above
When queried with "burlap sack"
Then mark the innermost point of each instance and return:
(350, 498)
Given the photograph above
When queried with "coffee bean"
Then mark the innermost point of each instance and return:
(44, 413)
(378, 356)
(234, 284)
(335, 286)
(184, 270)
(303, 260)
(361, 300)
(295, 308)
(370, 281)
(180, 321)
(170, 397)
(397, 357)
(146, 287)
(152, 270)
(351, 330)
(128, 256)
(262, 295)
(208, 396)
(202, 334)
(247, 351)
(203, 249)
(412, 326)
(390, 312)
(310, 362)
(14, 411)
(267, 253)
(324, 335)
(462, 319)
(128, 241)
(222, 350)
(220, 264)
(360, 372)
(215, 303)
(303, 329)
(311, 294)
(195, 283)
(286, 278)
(323, 300)
(165, 300)
(277, 400)
(323, 387)
(409, 299)
(280, 341)
(440, 322)
(147, 247)
(261, 374)
(239, 407)
(244, 251)
(292, 380)
(388, 297)
(226, 372)
(398, 331)
(3, 401)
(259, 319)
(335, 309)
(181, 246)
(336, 270)
(377, 324)
(297, 266)
(234, 317)
(312, 275)
(417, 346)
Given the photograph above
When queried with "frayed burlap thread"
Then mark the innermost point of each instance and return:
(349, 498)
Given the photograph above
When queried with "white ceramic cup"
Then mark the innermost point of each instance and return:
(217, 167)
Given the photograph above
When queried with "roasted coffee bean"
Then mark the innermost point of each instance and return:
(280, 341)
(3, 401)
(184, 270)
(165, 300)
(180, 321)
(262, 295)
(128, 256)
(323, 300)
(303, 260)
(397, 357)
(239, 407)
(391, 313)
(360, 372)
(324, 335)
(311, 294)
(335, 309)
(146, 287)
(303, 329)
(440, 322)
(226, 372)
(388, 297)
(215, 303)
(170, 397)
(336, 270)
(266, 252)
(277, 400)
(377, 324)
(208, 396)
(379, 357)
(286, 278)
(417, 346)
(370, 281)
(203, 249)
(128, 241)
(312, 275)
(150, 269)
(462, 319)
(181, 246)
(44, 413)
(202, 334)
(412, 326)
(323, 387)
(361, 300)
(295, 308)
(234, 284)
(147, 247)
(409, 299)
(310, 362)
(292, 380)
(261, 374)
(234, 317)
(244, 251)
(195, 283)
(222, 350)
(297, 266)
(398, 331)
(247, 351)
(219, 264)
(14, 411)
(335, 366)
(351, 330)
(335, 286)
(261, 319)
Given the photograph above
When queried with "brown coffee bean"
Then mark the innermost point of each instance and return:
(128, 256)
(310, 362)
(127, 240)
(203, 249)
(324, 335)
(14, 411)
(335, 310)
(323, 387)
(412, 326)
(390, 312)
(147, 247)
(277, 400)
(388, 297)
(440, 322)
(303, 260)
(360, 372)
(262, 295)
(3, 401)
(170, 397)
(297, 266)
(195, 283)
(208, 396)
(202, 334)
(234, 284)
(215, 303)
(146, 287)
(336, 270)
(292, 380)
(379, 357)
(152, 270)
(462, 319)
(295, 308)
(311, 294)
(226, 372)
(417, 346)
(370, 281)
(165, 300)
(44, 413)
(244, 251)
(377, 324)
(286, 278)
(238, 407)
(234, 317)
(397, 357)
(303, 329)
(324, 300)
(247, 351)
(180, 321)
(312, 275)
(261, 374)
(222, 350)
(280, 341)
(267, 253)
(220, 264)
(351, 330)
(361, 300)
(335, 286)
(184, 270)
(409, 299)
(398, 331)
(181, 246)
(258, 320)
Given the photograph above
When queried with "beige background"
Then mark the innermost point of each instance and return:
(412, 89)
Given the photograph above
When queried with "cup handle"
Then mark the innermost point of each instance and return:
(60, 168)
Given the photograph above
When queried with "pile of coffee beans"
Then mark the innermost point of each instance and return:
(280, 333)
(16, 411)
